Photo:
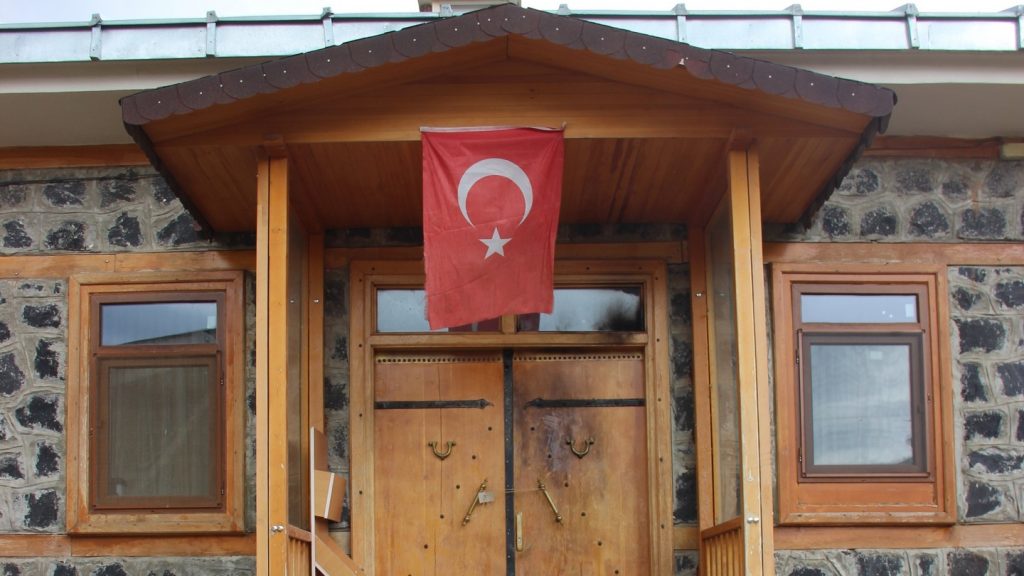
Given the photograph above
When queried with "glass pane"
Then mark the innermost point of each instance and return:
(159, 431)
(405, 310)
(589, 310)
(861, 404)
(724, 381)
(858, 308)
(158, 323)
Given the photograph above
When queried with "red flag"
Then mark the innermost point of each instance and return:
(490, 215)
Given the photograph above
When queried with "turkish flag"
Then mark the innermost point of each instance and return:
(490, 216)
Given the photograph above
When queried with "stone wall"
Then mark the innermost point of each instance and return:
(32, 363)
(987, 310)
(934, 562)
(916, 200)
(97, 210)
(68, 211)
(920, 200)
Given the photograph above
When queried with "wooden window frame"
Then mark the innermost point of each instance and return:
(87, 512)
(366, 276)
(863, 494)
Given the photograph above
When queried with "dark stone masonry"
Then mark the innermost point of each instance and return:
(972, 388)
(909, 200)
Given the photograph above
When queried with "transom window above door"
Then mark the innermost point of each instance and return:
(595, 308)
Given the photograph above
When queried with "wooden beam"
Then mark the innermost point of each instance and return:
(669, 252)
(899, 537)
(882, 255)
(22, 158)
(685, 538)
(64, 546)
(934, 147)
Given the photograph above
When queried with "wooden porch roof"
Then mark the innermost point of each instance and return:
(647, 120)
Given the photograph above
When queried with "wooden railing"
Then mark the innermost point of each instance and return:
(300, 550)
(721, 549)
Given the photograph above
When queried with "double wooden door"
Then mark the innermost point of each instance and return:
(529, 463)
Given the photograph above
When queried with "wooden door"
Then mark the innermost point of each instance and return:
(423, 493)
(580, 431)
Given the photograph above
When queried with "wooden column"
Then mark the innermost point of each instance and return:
(752, 371)
(281, 362)
(262, 334)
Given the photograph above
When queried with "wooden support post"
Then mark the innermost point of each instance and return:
(752, 373)
(262, 385)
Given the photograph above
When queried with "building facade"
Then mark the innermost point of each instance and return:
(939, 220)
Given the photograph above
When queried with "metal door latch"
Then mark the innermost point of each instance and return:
(540, 485)
(519, 532)
(481, 497)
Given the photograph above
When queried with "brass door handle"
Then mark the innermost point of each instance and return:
(583, 451)
(441, 455)
(476, 500)
(540, 485)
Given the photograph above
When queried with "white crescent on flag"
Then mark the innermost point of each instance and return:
(495, 167)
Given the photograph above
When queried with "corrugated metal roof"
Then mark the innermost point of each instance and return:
(793, 29)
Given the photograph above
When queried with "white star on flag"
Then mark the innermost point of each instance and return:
(495, 244)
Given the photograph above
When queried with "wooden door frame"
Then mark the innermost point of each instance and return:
(651, 274)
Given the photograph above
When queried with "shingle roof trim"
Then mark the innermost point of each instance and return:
(496, 22)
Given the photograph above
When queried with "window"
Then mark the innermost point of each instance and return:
(575, 309)
(862, 407)
(156, 393)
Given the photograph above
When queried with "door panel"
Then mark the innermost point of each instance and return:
(421, 499)
(604, 516)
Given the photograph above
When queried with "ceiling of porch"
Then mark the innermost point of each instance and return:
(646, 138)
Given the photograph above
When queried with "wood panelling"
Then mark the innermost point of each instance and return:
(221, 182)
(794, 167)
(71, 156)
